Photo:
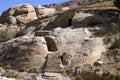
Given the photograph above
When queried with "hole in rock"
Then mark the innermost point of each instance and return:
(70, 22)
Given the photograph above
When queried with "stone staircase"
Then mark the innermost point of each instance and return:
(53, 63)
(53, 68)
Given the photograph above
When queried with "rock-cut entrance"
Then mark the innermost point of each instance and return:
(51, 44)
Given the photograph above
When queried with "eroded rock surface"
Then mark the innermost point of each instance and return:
(76, 42)
(87, 18)
(26, 53)
(19, 14)
(43, 12)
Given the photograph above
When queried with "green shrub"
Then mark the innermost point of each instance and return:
(7, 34)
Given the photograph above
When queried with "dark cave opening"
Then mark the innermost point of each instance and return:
(70, 22)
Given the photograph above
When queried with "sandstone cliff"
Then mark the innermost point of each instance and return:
(79, 42)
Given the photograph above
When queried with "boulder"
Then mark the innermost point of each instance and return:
(23, 13)
(42, 11)
(25, 53)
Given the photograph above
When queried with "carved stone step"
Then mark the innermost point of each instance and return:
(42, 33)
(53, 63)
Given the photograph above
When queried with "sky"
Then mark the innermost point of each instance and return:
(5, 4)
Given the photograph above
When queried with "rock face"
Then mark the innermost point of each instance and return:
(76, 42)
(68, 40)
(27, 53)
(62, 20)
(72, 18)
(37, 25)
(87, 18)
(90, 52)
(42, 11)
(22, 13)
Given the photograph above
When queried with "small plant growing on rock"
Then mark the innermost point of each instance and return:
(7, 34)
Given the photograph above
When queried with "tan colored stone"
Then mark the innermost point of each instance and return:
(22, 13)
(42, 11)
(26, 53)
(82, 18)
(53, 63)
